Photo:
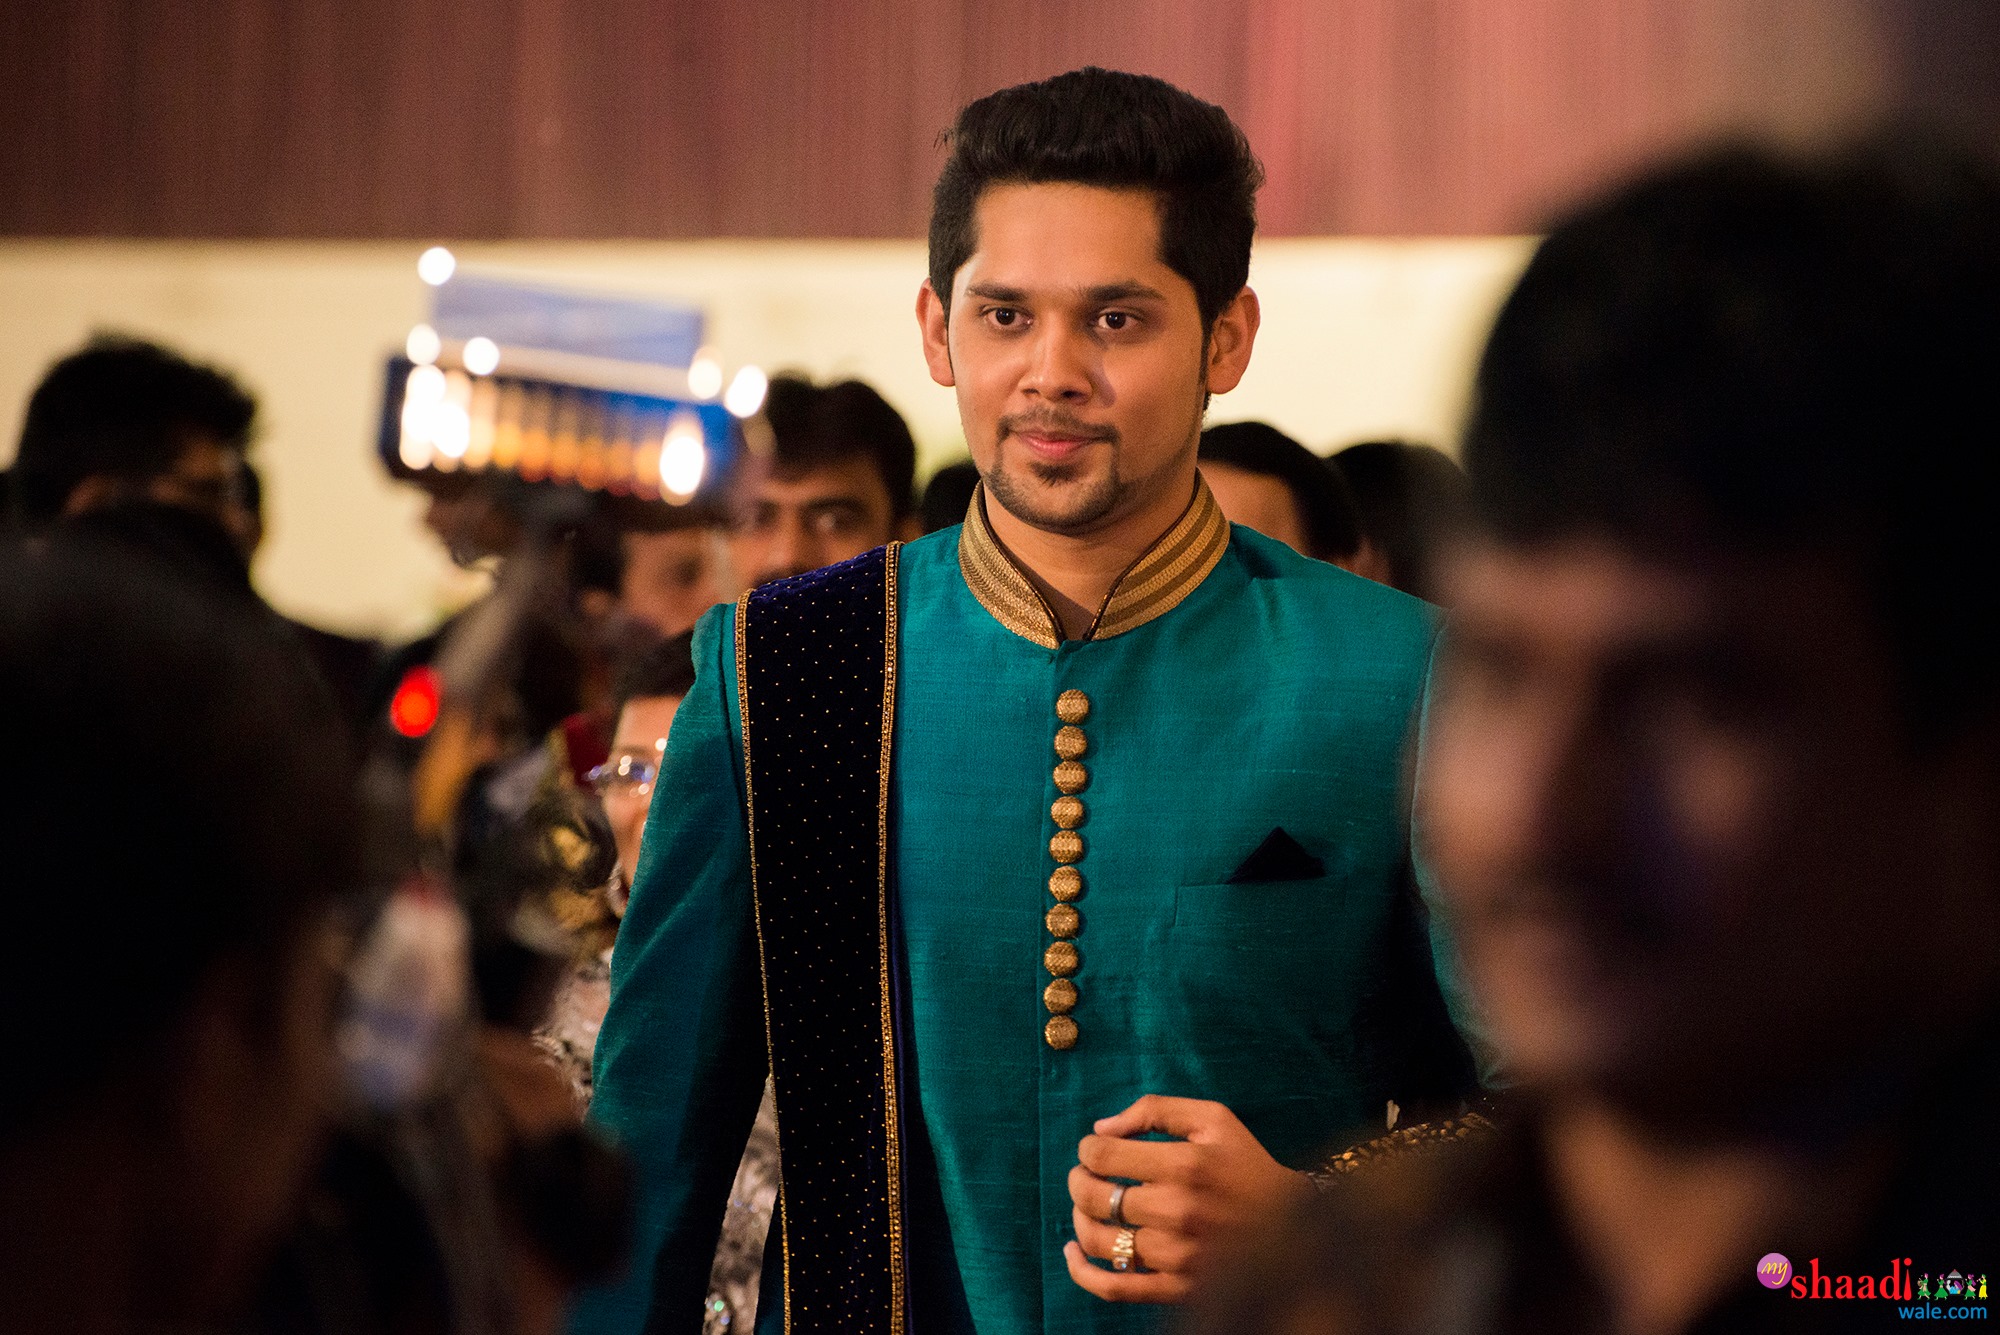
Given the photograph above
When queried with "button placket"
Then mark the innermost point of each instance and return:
(1063, 921)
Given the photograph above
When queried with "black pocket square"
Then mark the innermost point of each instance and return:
(1278, 858)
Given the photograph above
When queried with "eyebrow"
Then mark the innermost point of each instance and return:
(1102, 294)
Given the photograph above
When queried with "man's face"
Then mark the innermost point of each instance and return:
(670, 578)
(787, 523)
(1078, 356)
(1258, 501)
(1686, 849)
(641, 741)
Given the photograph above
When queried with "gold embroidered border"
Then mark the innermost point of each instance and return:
(757, 917)
(889, 1103)
(1153, 585)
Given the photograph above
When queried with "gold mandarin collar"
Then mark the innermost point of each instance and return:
(1155, 584)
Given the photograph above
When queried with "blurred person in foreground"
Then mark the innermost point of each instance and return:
(171, 986)
(1263, 479)
(1411, 502)
(839, 480)
(1011, 850)
(1711, 777)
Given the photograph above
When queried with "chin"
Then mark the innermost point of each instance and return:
(1058, 499)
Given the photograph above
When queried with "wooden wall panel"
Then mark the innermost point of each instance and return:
(670, 118)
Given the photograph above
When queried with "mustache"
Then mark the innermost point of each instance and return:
(1055, 423)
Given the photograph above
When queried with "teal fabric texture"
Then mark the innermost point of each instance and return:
(1279, 695)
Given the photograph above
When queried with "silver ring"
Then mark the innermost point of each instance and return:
(1117, 1215)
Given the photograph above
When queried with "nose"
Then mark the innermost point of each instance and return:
(1060, 365)
(794, 549)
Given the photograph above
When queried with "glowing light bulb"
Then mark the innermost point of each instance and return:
(683, 457)
(746, 392)
(705, 374)
(425, 386)
(451, 430)
(436, 265)
(481, 355)
(423, 345)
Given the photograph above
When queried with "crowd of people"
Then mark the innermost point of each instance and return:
(1157, 874)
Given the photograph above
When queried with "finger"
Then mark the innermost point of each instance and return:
(1140, 1160)
(1130, 1287)
(1161, 1112)
(1153, 1249)
(1092, 1195)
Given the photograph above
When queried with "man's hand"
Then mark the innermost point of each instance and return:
(1192, 1195)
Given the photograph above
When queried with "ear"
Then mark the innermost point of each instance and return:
(1229, 342)
(937, 349)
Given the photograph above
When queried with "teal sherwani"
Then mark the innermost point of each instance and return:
(1230, 690)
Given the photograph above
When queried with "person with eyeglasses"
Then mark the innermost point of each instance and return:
(649, 690)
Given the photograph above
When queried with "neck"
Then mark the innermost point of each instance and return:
(1075, 573)
(1678, 1221)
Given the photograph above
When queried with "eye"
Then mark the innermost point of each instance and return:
(1115, 320)
(1004, 317)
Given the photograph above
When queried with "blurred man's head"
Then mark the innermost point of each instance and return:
(126, 420)
(1265, 480)
(669, 574)
(650, 688)
(839, 480)
(1411, 503)
(469, 514)
(177, 829)
(1712, 766)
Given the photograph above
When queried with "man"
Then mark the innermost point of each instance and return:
(178, 831)
(1712, 770)
(126, 420)
(1263, 479)
(840, 479)
(1410, 500)
(1078, 823)
(670, 573)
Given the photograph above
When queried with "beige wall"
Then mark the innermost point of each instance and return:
(1361, 338)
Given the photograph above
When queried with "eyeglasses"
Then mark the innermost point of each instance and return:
(624, 775)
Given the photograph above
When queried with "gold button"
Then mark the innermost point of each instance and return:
(1071, 777)
(1061, 959)
(1072, 706)
(1066, 846)
(1060, 996)
(1067, 812)
(1063, 921)
(1069, 742)
(1065, 883)
(1060, 1032)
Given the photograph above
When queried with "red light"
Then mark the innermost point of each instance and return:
(413, 709)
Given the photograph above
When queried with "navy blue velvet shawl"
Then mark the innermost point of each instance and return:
(816, 662)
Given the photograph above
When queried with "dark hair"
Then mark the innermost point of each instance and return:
(948, 494)
(665, 667)
(1123, 132)
(1332, 529)
(815, 425)
(1761, 350)
(178, 790)
(123, 408)
(1412, 499)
